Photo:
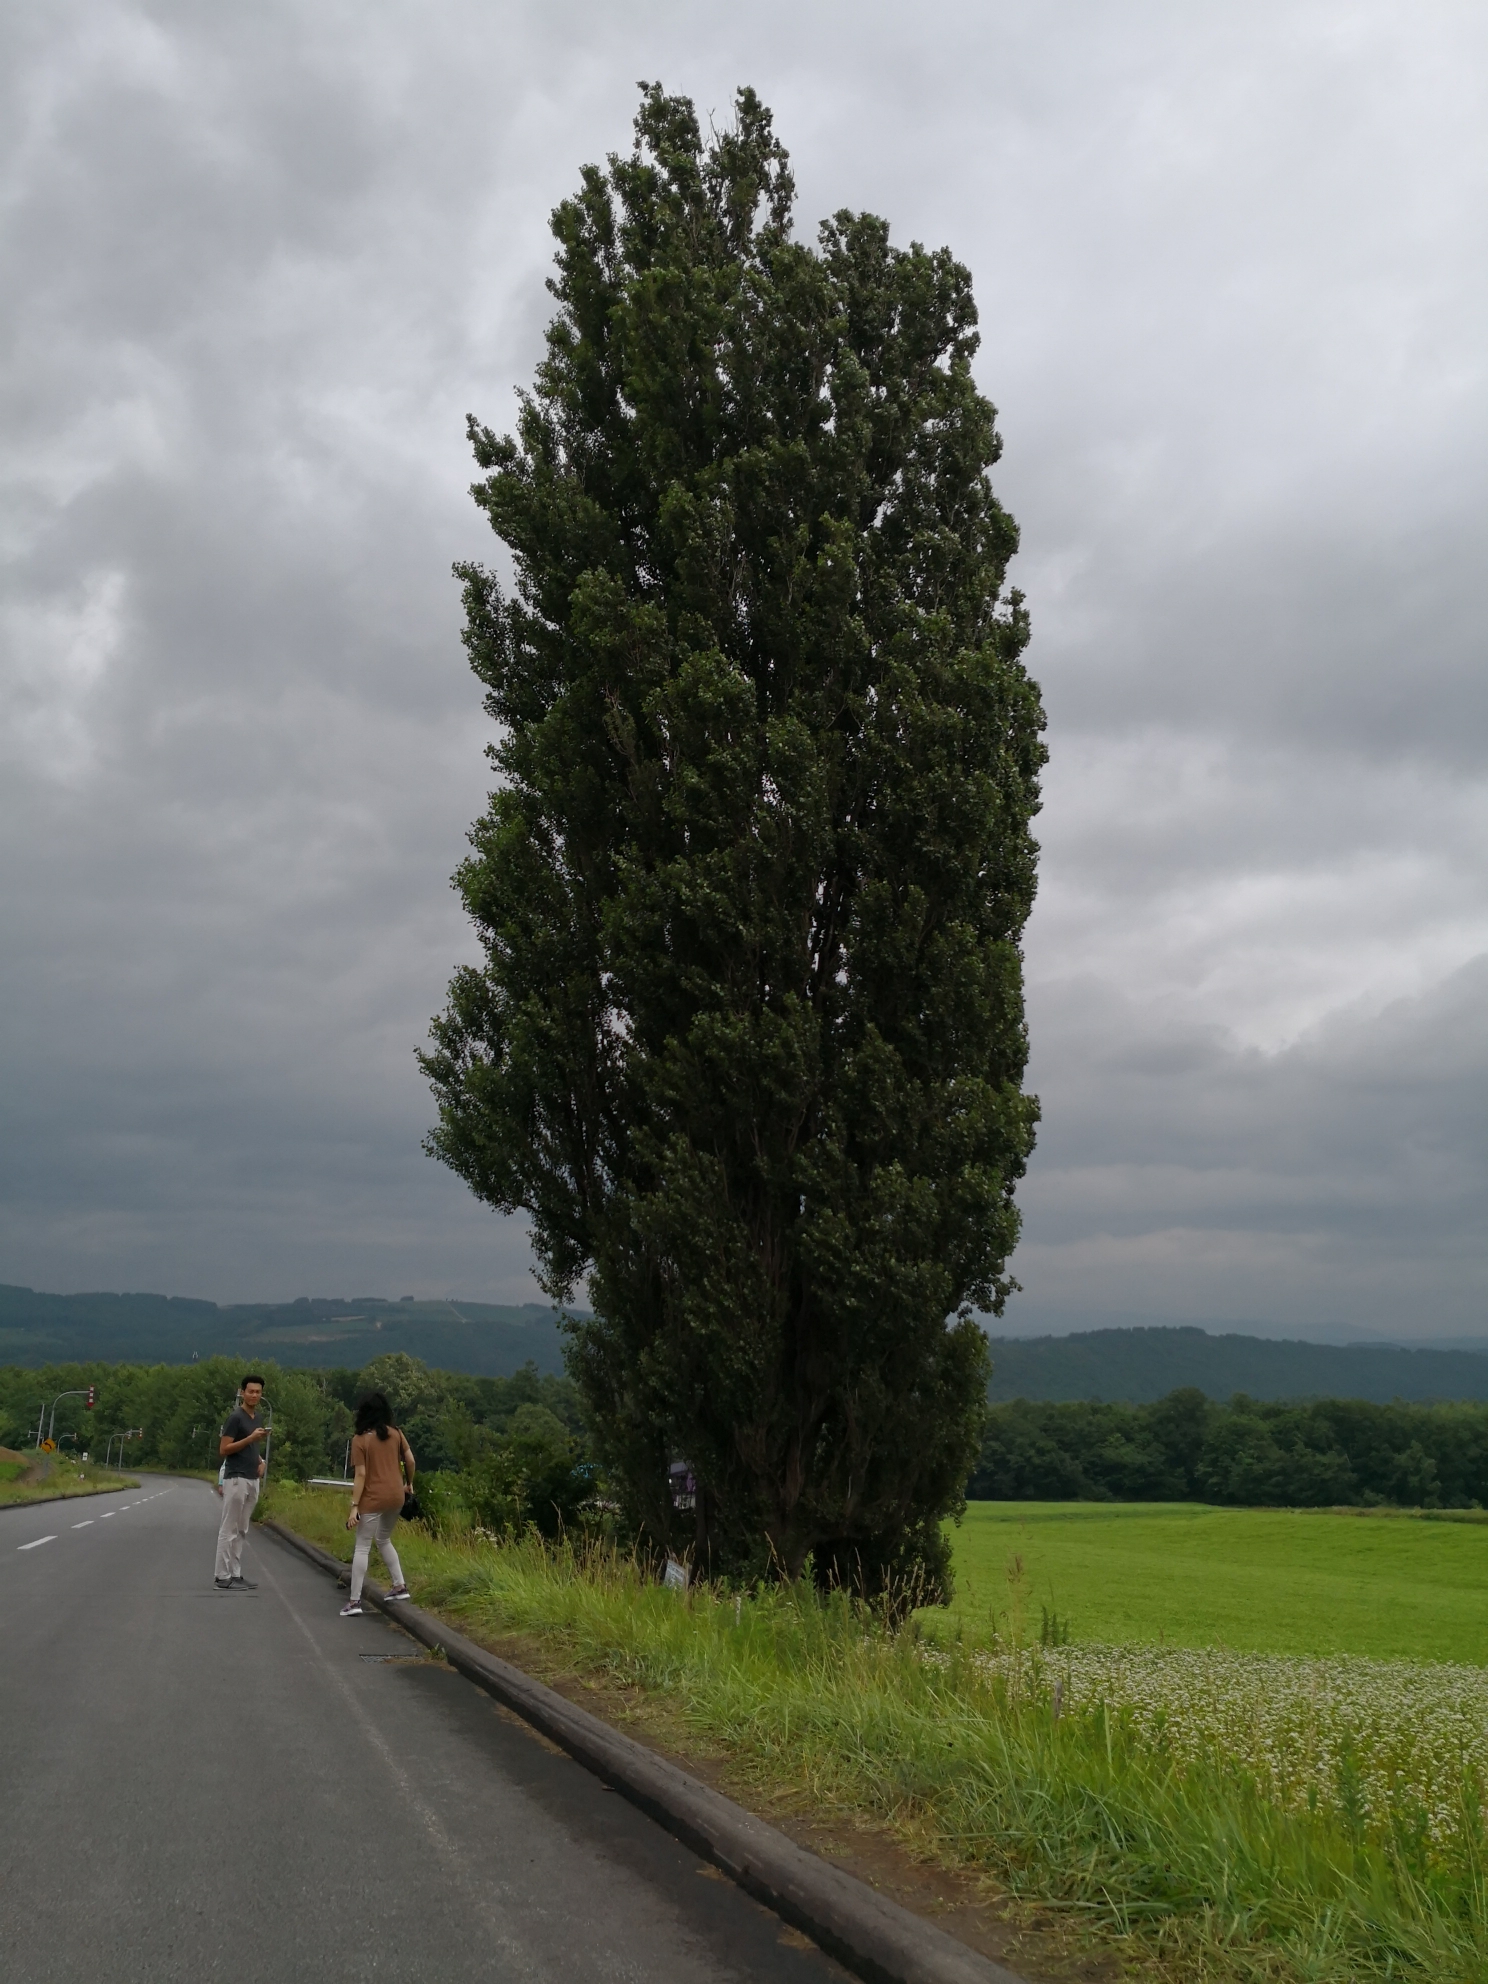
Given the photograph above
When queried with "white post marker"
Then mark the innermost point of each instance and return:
(37, 1544)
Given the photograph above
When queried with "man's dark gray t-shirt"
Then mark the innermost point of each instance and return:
(243, 1465)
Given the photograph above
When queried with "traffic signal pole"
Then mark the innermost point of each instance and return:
(87, 1393)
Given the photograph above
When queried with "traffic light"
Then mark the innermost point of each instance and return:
(88, 1401)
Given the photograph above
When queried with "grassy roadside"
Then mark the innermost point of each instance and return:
(25, 1478)
(1181, 1862)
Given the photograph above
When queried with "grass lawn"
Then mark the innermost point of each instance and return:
(1259, 1580)
(26, 1480)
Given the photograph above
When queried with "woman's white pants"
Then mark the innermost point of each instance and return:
(374, 1526)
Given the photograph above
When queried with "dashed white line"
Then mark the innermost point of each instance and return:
(107, 1513)
(84, 1525)
(37, 1544)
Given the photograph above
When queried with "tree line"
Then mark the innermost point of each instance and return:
(1318, 1453)
(506, 1450)
(502, 1452)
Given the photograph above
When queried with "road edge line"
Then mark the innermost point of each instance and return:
(87, 1495)
(875, 1937)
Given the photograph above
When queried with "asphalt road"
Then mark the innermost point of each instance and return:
(243, 1785)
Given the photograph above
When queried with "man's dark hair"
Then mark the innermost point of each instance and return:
(252, 1379)
(374, 1414)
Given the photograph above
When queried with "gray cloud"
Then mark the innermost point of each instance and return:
(1334, 1187)
(259, 263)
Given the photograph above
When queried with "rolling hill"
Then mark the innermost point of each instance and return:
(487, 1340)
(1139, 1365)
(481, 1338)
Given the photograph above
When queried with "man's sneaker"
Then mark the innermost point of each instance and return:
(352, 1609)
(397, 1591)
(244, 1584)
(223, 1584)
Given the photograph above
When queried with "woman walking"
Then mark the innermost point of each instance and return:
(381, 1457)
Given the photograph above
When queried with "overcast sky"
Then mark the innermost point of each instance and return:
(257, 264)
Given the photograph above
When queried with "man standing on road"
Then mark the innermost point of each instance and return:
(244, 1466)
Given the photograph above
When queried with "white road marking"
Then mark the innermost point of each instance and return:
(448, 1849)
(37, 1544)
(107, 1513)
(84, 1525)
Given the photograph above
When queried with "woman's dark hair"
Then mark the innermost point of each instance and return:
(374, 1414)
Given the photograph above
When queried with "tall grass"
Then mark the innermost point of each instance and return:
(966, 1758)
(46, 1477)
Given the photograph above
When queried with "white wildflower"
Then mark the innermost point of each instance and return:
(1402, 1747)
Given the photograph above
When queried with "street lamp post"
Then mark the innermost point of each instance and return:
(86, 1392)
(127, 1433)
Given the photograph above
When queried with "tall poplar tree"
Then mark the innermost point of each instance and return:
(748, 1042)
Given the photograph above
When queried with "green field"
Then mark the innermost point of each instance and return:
(1260, 1580)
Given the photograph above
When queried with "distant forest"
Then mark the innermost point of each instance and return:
(483, 1339)
(480, 1338)
(1123, 1414)
(1185, 1448)
(1140, 1365)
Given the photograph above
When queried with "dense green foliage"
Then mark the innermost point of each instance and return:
(506, 1451)
(1140, 1365)
(516, 1439)
(1185, 1447)
(748, 1042)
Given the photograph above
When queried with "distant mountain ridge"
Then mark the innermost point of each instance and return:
(1136, 1366)
(483, 1339)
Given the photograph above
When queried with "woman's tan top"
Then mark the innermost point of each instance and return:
(383, 1488)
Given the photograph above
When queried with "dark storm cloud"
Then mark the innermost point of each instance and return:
(258, 265)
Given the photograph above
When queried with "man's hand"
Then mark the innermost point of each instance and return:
(351, 1520)
(226, 1446)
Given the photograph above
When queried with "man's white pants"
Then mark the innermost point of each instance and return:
(238, 1498)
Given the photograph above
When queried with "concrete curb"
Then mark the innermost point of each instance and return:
(873, 1936)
